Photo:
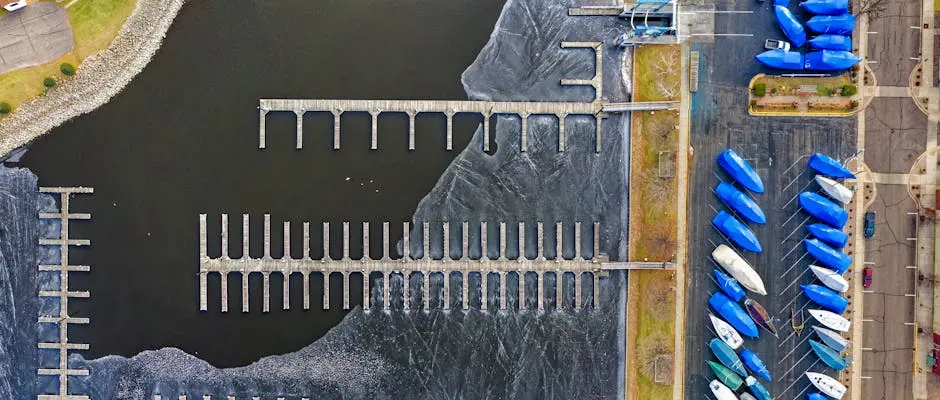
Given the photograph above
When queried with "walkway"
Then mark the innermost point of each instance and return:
(63, 319)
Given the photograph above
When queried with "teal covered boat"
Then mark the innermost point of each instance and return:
(757, 389)
(727, 356)
(828, 356)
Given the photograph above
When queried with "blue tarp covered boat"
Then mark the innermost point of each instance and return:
(727, 356)
(828, 356)
(826, 7)
(754, 363)
(831, 42)
(779, 59)
(740, 170)
(828, 234)
(735, 230)
(825, 297)
(827, 256)
(835, 24)
(829, 60)
(823, 209)
(781, 2)
(790, 26)
(732, 313)
(816, 396)
(828, 166)
(741, 203)
(728, 285)
(757, 389)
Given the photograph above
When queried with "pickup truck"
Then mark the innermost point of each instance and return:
(771, 44)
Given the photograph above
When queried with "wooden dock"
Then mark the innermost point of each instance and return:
(63, 319)
(581, 266)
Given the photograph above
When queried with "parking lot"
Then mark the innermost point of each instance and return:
(778, 148)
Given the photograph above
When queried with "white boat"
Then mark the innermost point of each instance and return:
(739, 269)
(726, 332)
(826, 384)
(747, 396)
(831, 320)
(830, 278)
(835, 189)
(832, 339)
(721, 391)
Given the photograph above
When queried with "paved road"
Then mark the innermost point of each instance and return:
(895, 134)
(778, 148)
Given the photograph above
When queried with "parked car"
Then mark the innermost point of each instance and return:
(870, 224)
(866, 277)
(771, 44)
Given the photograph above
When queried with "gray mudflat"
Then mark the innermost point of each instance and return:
(34, 35)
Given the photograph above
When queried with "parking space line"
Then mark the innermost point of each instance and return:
(795, 263)
(798, 227)
(911, 267)
(867, 349)
(794, 164)
(866, 377)
(911, 213)
(912, 238)
(868, 320)
(798, 363)
(798, 193)
(871, 62)
(791, 250)
(909, 295)
(798, 278)
(800, 395)
(909, 323)
(790, 304)
(868, 291)
(872, 33)
(869, 263)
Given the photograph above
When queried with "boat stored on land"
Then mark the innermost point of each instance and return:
(728, 285)
(755, 365)
(779, 59)
(830, 278)
(831, 320)
(829, 60)
(829, 257)
(825, 297)
(835, 24)
(816, 396)
(726, 376)
(790, 26)
(739, 269)
(760, 316)
(826, 384)
(735, 230)
(740, 170)
(741, 203)
(828, 356)
(726, 332)
(823, 209)
(828, 166)
(826, 7)
(757, 389)
(721, 391)
(832, 338)
(828, 234)
(747, 396)
(831, 42)
(834, 189)
(727, 356)
(733, 314)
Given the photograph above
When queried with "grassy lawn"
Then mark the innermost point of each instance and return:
(653, 146)
(652, 310)
(95, 23)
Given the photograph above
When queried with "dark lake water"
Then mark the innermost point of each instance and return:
(182, 140)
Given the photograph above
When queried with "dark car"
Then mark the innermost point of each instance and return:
(870, 224)
(866, 277)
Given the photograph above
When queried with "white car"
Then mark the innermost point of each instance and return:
(771, 44)
(13, 5)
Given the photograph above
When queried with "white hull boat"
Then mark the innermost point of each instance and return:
(721, 391)
(835, 189)
(831, 320)
(739, 269)
(832, 339)
(826, 384)
(726, 332)
(747, 396)
(830, 278)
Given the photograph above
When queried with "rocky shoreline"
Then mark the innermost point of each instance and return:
(99, 78)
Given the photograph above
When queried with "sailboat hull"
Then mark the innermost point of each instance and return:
(726, 332)
(830, 278)
(828, 356)
(831, 320)
(760, 316)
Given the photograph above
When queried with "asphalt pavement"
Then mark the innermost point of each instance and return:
(778, 148)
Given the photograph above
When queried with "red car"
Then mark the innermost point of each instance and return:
(866, 277)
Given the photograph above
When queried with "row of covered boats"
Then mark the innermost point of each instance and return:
(735, 277)
(832, 47)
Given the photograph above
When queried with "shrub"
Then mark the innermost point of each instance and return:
(760, 89)
(67, 69)
(753, 103)
(823, 91)
(854, 103)
(5, 108)
(849, 90)
(48, 83)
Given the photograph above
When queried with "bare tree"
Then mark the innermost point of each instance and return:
(873, 8)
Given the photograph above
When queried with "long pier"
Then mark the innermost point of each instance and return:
(63, 319)
(580, 265)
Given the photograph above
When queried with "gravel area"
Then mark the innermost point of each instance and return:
(99, 78)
